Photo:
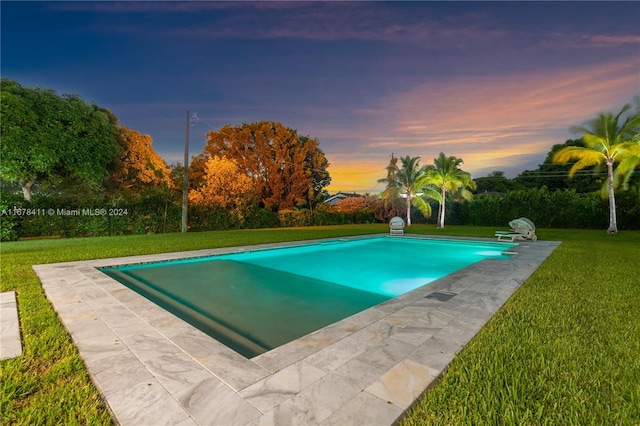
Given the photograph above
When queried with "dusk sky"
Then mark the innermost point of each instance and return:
(495, 83)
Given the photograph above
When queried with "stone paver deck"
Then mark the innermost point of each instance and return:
(153, 368)
(10, 344)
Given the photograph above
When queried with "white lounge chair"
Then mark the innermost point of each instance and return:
(396, 226)
(521, 229)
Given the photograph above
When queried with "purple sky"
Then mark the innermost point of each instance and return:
(495, 83)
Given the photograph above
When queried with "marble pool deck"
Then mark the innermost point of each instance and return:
(10, 343)
(152, 368)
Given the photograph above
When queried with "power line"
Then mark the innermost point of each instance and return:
(550, 173)
(559, 174)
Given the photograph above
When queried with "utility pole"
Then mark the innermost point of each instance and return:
(185, 187)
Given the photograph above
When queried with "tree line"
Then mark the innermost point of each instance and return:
(60, 153)
(70, 153)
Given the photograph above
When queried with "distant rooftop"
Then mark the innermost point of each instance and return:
(335, 199)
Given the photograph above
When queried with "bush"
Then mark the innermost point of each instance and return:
(322, 215)
(97, 216)
(550, 209)
(292, 218)
(157, 211)
(628, 209)
(10, 222)
(261, 218)
(325, 214)
(211, 218)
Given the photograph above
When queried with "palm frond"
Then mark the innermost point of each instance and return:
(432, 193)
(576, 153)
(597, 143)
(630, 162)
(422, 205)
(466, 194)
(586, 161)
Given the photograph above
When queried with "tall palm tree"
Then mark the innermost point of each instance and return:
(605, 140)
(409, 182)
(447, 176)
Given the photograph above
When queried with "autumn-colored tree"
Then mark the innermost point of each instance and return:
(384, 209)
(225, 186)
(139, 165)
(197, 170)
(287, 170)
(354, 204)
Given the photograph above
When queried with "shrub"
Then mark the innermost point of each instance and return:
(261, 218)
(548, 209)
(10, 223)
(292, 218)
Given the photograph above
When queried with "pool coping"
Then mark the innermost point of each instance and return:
(153, 368)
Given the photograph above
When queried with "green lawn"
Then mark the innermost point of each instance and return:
(563, 350)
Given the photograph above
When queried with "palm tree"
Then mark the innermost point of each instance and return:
(391, 191)
(409, 182)
(447, 176)
(605, 140)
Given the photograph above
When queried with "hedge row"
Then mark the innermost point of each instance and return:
(155, 213)
(549, 209)
(44, 216)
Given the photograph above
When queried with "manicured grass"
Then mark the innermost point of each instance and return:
(563, 350)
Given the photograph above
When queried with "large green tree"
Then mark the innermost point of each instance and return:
(446, 174)
(48, 137)
(495, 182)
(606, 140)
(555, 176)
(288, 170)
(411, 183)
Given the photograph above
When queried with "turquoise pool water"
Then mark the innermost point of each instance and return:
(254, 301)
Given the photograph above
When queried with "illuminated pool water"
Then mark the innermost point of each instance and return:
(254, 301)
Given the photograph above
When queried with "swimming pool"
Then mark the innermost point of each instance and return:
(254, 301)
(375, 362)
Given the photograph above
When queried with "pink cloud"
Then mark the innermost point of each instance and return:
(587, 41)
(608, 40)
(489, 108)
(493, 123)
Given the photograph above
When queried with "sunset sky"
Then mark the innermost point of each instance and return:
(495, 83)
